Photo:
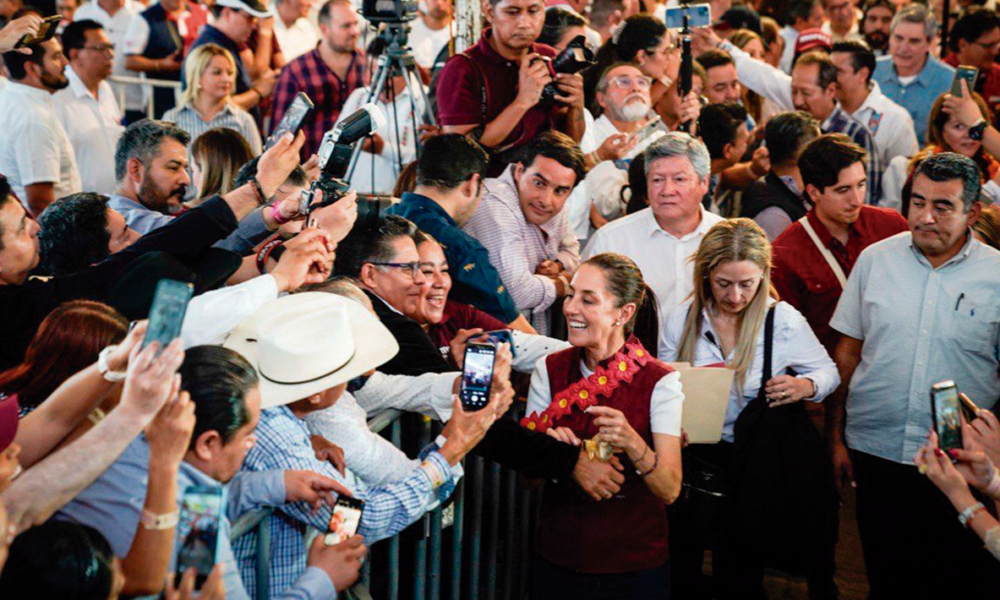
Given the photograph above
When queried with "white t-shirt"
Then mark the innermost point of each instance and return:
(34, 147)
(665, 403)
(295, 40)
(93, 126)
(427, 43)
(116, 26)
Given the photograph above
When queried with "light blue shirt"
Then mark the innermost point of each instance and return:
(250, 232)
(920, 325)
(918, 97)
(113, 505)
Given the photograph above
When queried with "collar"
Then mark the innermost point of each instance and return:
(76, 84)
(420, 201)
(875, 97)
(210, 31)
(922, 76)
(491, 55)
(962, 254)
(822, 232)
(389, 306)
(653, 226)
(837, 114)
(194, 475)
(124, 203)
(227, 109)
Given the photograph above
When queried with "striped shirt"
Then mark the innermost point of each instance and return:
(841, 122)
(231, 117)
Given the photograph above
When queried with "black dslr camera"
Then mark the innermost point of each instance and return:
(575, 58)
(389, 11)
(335, 156)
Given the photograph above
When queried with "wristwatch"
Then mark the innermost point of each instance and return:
(976, 131)
(106, 372)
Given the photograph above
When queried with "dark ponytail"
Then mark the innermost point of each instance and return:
(625, 282)
(638, 32)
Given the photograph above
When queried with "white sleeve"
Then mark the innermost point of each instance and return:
(428, 394)
(904, 140)
(589, 141)
(39, 160)
(670, 335)
(770, 82)
(539, 394)
(136, 36)
(212, 315)
(806, 355)
(665, 405)
(604, 185)
(368, 455)
(530, 348)
(892, 183)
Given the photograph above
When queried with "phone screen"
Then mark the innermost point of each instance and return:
(946, 414)
(699, 15)
(477, 376)
(46, 31)
(198, 530)
(297, 112)
(167, 313)
(969, 74)
(344, 521)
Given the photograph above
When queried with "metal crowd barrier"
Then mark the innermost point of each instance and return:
(121, 83)
(477, 546)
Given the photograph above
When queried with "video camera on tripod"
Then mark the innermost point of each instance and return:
(335, 156)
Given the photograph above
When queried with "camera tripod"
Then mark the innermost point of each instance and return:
(396, 59)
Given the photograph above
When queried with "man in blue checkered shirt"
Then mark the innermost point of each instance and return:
(343, 340)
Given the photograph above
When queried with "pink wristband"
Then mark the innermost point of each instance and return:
(277, 216)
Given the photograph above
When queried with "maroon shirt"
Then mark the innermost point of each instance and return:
(460, 316)
(460, 93)
(804, 279)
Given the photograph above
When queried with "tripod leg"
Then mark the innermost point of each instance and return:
(381, 76)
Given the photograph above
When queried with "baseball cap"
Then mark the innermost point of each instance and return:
(811, 39)
(255, 8)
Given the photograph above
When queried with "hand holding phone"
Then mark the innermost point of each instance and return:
(198, 531)
(345, 520)
(291, 122)
(969, 74)
(46, 31)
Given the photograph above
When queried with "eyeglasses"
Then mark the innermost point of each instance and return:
(409, 269)
(624, 82)
(102, 48)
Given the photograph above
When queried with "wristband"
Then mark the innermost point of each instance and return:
(275, 213)
(106, 372)
(155, 522)
(656, 463)
(258, 191)
(265, 252)
(970, 513)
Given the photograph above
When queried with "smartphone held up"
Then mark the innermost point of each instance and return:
(198, 531)
(946, 414)
(477, 376)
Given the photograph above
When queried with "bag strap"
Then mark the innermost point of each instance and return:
(827, 255)
(765, 374)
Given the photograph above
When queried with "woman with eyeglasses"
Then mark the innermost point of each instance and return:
(771, 456)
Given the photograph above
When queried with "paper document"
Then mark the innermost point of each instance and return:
(706, 397)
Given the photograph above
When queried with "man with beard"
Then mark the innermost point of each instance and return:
(875, 25)
(917, 308)
(151, 163)
(495, 87)
(35, 153)
(328, 74)
(87, 108)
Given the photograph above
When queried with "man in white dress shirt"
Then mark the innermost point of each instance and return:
(662, 237)
(296, 34)
(115, 16)
(431, 31)
(35, 152)
(87, 108)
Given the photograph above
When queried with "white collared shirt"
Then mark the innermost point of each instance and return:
(116, 26)
(427, 43)
(794, 346)
(295, 40)
(662, 258)
(34, 147)
(890, 125)
(93, 126)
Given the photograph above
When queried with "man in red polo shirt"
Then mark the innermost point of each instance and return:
(494, 88)
(815, 255)
(974, 40)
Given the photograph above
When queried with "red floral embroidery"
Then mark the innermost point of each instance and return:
(588, 391)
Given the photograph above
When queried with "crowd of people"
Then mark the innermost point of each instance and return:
(812, 208)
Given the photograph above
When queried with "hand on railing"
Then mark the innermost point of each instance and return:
(342, 563)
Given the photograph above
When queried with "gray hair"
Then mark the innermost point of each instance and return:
(339, 286)
(916, 13)
(949, 166)
(604, 81)
(142, 140)
(678, 143)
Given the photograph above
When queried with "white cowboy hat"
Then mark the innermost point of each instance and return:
(306, 343)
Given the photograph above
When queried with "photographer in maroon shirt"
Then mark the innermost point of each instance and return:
(494, 89)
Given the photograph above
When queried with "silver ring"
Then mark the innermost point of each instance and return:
(782, 395)
(607, 494)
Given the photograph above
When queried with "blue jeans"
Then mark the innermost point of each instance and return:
(552, 582)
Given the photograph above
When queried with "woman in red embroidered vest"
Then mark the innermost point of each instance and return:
(769, 451)
(624, 406)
